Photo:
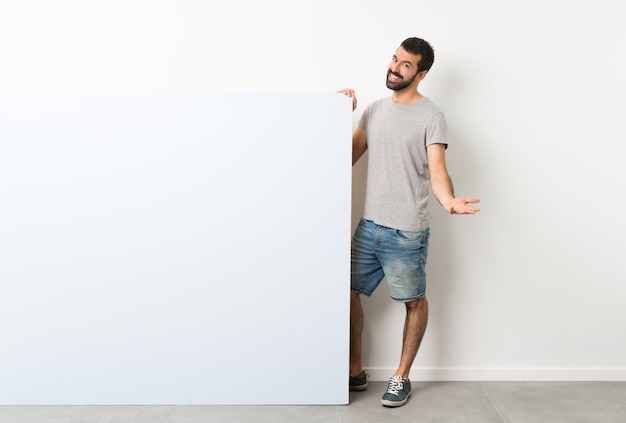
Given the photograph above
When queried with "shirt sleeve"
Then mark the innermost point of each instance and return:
(436, 131)
(365, 117)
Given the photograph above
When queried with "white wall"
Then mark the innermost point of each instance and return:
(532, 288)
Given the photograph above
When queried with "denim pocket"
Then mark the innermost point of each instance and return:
(410, 236)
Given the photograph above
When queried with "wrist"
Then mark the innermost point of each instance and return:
(447, 204)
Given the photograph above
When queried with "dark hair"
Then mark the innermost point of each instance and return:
(417, 46)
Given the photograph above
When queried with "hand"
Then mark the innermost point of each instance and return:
(350, 93)
(460, 205)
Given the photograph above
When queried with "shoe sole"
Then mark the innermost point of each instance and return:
(393, 404)
(359, 387)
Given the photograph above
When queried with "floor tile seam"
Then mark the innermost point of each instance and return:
(488, 398)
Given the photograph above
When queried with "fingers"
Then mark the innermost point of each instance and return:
(472, 210)
(350, 93)
(461, 206)
(469, 210)
(347, 91)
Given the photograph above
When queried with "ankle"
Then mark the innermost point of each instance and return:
(360, 374)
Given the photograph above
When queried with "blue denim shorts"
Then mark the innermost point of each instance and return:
(400, 256)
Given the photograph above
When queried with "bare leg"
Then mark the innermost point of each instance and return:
(414, 328)
(356, 331)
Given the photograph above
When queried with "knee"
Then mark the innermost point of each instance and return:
(418, 304)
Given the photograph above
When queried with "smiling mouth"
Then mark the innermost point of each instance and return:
(393, 77)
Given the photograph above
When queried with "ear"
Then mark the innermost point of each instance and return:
(421, 75)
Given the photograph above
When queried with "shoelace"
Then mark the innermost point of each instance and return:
(395, 385)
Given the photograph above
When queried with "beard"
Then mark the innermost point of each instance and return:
(400, 85)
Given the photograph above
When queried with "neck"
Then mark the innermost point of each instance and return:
(407, 96)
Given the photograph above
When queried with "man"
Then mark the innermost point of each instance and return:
(405, 135)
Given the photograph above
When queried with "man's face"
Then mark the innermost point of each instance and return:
(403, 70)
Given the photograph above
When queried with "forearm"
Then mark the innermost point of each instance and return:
(442, 188)
(359, 145)
(357, 153)
(441, 185)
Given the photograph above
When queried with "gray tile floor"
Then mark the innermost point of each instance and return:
(553, 402)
